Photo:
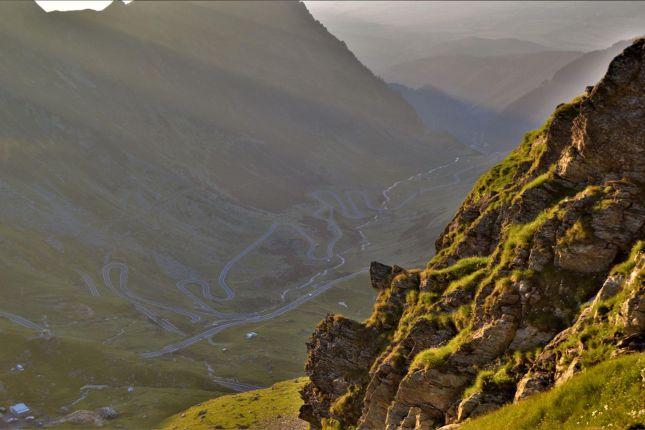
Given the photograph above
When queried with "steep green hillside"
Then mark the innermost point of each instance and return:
(172, 172)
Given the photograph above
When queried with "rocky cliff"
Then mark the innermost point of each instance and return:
(538, 276)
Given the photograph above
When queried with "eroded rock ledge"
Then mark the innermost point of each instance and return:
(545, 254)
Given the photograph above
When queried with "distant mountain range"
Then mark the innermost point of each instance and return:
(568, 82)
(383, 34)
(484, 47)
(489, 81)
(469, 124)
(489, 103)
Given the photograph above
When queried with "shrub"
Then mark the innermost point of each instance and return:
(436, 357)
(629, 264)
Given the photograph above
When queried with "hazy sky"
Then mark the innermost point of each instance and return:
(50, 5)
(383, 33)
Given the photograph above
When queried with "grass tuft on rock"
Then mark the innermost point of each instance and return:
(492, 380)
(436, 357)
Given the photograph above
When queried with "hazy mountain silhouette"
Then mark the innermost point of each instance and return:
(482, 129)
(486, 125)
(487, 81)
(383, 34)
(485, 47)
(568, 82)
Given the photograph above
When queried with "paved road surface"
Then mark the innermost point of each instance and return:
(21, 321)
(139, 301)
(94, 291)
(235, 385)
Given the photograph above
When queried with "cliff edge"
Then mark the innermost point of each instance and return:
(538, 277)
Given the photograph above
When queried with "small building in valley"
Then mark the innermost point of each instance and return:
(19, 409)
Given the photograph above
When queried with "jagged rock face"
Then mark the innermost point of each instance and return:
(340, 352)
(561, 358)
(609, 222)
(604, 141)
(391, 367)
(547, 251)
(424, 396)
(480, 403)
(380, 275)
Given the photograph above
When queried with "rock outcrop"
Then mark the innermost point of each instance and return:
(547, 252)
(341, 351)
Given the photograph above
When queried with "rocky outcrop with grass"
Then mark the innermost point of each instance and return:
(538, 276)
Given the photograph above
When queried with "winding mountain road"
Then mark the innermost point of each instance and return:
(94, 291)
(139, 301)
(330, 203)
(221, 326)
(21, 321)
(235, 385)
(349, 210)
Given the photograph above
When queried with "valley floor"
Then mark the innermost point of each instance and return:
(140, 335)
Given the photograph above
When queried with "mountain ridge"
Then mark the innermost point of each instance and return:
(489, 128)
(564, 84)
(145, 151)
(506, 76)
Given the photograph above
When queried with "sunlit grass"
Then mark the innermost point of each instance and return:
(609, 395)
(242, 411)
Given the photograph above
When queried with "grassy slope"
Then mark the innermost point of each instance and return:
(149, 186)
(56, 369)
(271, 408)
(609, 395)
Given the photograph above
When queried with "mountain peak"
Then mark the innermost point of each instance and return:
(607, 138)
